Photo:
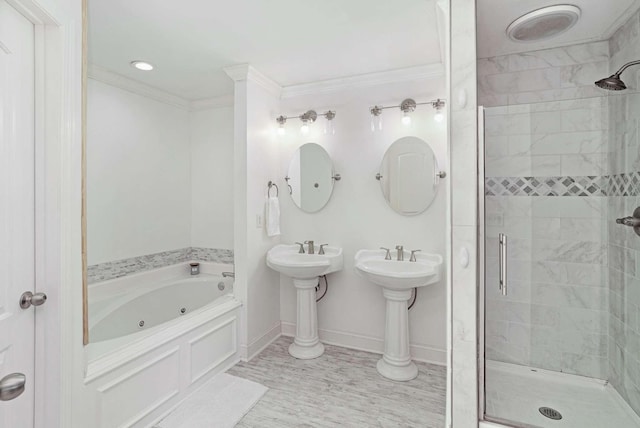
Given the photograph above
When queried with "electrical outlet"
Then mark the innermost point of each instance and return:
(258, 221)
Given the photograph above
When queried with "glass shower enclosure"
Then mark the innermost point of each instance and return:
(560, 181)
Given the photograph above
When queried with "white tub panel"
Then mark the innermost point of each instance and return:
(210, 349)
(137, 393)
(139, 390)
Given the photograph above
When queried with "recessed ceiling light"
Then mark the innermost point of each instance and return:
(141, 65)
(543, 23)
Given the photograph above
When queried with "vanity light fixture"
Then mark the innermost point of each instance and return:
(308, 118)
(407, 107)
(142, 65)
(281, 122)
(376, 120)
(439, 106)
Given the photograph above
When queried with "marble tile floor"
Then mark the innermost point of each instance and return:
(340, 389)
(515, 393)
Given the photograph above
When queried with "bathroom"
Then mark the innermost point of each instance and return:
(162, 297)
(168, 185)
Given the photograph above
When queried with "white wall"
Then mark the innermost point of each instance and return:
(212, 178)
(138, 179)
(255, 161)
(357, 216)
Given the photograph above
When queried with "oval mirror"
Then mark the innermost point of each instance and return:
(408, 176)
(310, 177)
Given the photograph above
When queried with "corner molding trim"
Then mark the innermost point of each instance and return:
(422, 72)
(618, 23)
(241, 72)
(211, 103)
(103, 75)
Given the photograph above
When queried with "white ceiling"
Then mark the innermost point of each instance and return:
(290, 41)
(600, 18)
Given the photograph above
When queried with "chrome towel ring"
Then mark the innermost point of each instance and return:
(270, 185)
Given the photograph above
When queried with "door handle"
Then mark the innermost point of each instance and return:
(28, 299)
(11, 386)
(502, 256)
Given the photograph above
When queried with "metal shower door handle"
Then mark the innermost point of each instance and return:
(502, 260)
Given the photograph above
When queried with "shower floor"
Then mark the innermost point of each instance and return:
(515, 393)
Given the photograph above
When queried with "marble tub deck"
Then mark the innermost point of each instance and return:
(340, 389)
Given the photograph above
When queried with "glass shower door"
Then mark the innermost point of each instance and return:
(546, 266)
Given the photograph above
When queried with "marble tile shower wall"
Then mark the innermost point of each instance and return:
(624, 245)
(120, 268)
(550, 124)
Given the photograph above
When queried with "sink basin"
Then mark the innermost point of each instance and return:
(286, 260)
(397, 279)
(305, 269)
(398, 275)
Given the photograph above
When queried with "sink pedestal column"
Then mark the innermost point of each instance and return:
(396, 363)
(306, 344)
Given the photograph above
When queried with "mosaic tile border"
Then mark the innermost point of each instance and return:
(119, 268)
(625, 184)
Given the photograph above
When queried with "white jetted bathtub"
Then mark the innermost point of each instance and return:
(154, 338)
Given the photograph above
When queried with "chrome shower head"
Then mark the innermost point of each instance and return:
(613, 82)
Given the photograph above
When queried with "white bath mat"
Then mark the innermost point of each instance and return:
(220, 403)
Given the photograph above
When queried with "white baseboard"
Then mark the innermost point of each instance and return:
(258, 345)
(370, 344)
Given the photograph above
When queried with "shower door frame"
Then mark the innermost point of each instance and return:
(481, 251)
(483, 422)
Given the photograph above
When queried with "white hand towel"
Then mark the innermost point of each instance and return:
(273, 216)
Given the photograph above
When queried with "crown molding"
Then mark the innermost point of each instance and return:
(422, 72)
(622, 19)
(103, 75)
(244, 72)
(241, 72)
(211, 103)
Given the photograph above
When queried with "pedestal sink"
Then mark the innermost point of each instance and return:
(305, 269)
(397, 279)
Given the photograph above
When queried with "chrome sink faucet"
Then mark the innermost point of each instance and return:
(400, 249)
(311, 249)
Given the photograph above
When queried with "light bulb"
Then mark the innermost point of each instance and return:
(439, 116)
(304, 128)
(406, 119)
(141, 65)
(281, 130)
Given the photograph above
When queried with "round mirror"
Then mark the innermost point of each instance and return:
(408, 176)
(310, 177)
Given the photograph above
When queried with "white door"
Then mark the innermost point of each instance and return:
(17, 236)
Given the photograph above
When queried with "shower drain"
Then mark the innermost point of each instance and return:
(550, 413)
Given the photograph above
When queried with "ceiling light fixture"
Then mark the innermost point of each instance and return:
(544, 23)
(142, 65)
(308, 118)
